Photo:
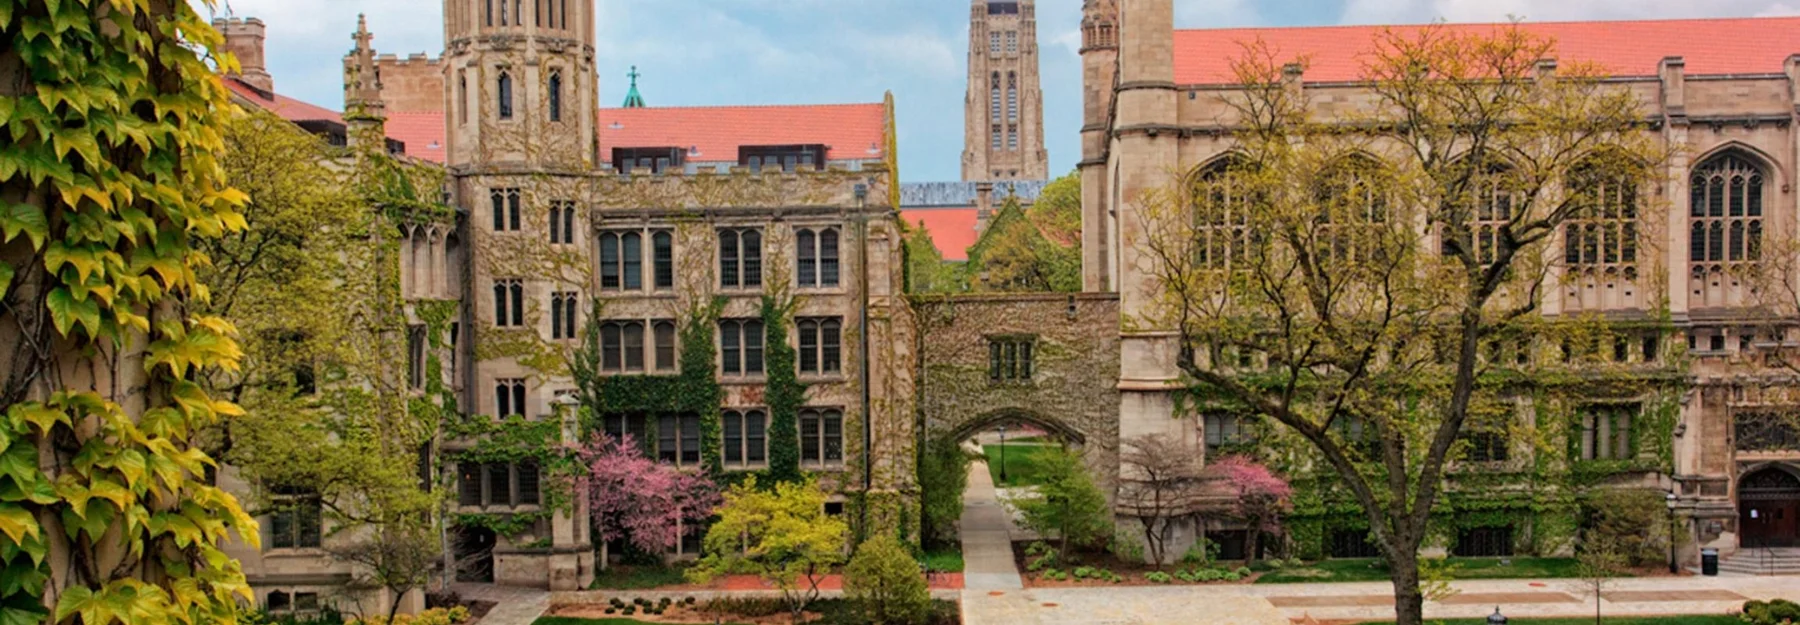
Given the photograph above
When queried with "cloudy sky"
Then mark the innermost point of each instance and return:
(710, 52)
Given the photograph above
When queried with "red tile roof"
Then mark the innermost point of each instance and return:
(952, 229)
(422, 131)
(419, 131)
(1625, 48)
(286, 107)
(851, 131)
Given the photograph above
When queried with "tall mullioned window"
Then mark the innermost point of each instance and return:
(1602, 232)
(1726, 196)
(816, 257)
(821, 437)
(741, 347)
(740, 258)
(1009, 358)
(505, 209)
(1223, 200)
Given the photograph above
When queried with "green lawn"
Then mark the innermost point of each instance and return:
(1371, 570)
(1021, 463)
(564, 620)
(1717, 619)
(638, 577)
(944, 561)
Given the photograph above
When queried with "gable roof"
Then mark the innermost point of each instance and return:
(952, 229)
(1621, 48)
(420, 131)
(285, 107)
(849, 131)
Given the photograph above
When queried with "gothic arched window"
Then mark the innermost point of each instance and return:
(505, 94)
(1223, 199)
(1725, 210)
(556, 96)
(1602, 231)
(462, 98)
(1352, 198)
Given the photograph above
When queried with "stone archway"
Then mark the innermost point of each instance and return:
(1769, 507)
(1054, 428)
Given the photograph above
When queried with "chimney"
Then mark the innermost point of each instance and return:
(984, 205)
(244, 40)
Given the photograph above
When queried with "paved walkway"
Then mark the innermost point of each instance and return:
(986, 537)
(1278, 604)
(513, 605)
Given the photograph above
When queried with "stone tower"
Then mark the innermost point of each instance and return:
(522, 154)
(1004, 111)
(1099, 70)
(519, 77)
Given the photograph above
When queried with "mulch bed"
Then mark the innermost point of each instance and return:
(1133, 572)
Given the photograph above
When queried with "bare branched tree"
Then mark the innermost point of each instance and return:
(1166, 485)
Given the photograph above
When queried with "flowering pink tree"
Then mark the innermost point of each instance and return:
(1261, 498)
(647, 503)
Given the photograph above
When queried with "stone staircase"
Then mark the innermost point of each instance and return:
(1762, 561)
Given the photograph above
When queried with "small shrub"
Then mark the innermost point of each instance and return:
(1243, 571)
(1158, 577)
(1084, 572)
(1773, 612)
(751, 607)
(689, 600)
(612, 610)
(1232, 576)
(1126, 547)
(883, 581)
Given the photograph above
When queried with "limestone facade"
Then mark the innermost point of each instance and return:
(1142, 128)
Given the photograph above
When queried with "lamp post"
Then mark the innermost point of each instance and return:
(1002, 454)
(1670, 498)
(1496, 618)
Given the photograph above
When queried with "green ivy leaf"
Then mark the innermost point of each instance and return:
(66, 311)
(17, 523)
(17, 218)
(6, 277)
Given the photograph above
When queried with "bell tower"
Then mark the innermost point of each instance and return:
(520, 85)
(1003, 117)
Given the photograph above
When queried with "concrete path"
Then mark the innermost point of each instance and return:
(986, 537)
(1277, 604)
(513, 605)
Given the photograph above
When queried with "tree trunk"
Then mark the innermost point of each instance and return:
(1252, 540)
(1409, 601)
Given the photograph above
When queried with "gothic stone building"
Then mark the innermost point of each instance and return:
(1723, 97)
(665, 217)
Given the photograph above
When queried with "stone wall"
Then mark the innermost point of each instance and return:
(1074, 385)
(411, 85)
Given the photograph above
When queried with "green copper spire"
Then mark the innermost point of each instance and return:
(634, 100)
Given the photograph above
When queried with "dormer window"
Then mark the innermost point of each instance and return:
(648, 160)
(787, 157)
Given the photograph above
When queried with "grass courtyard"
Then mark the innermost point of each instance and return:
(1372, 570)
(1022, 463)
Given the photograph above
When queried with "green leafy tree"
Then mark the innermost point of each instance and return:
(1376, 259)
(885, 583)
(328, 409)
(1057, 213)
(779, 534)
(943, 476)
(109, 188)
(1013, 255)
(1598, 565)
(926, 269)
(1066, 504)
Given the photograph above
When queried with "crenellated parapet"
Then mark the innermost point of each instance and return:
(737, 188)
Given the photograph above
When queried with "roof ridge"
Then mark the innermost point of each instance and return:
(744, 106)
(1524, 22)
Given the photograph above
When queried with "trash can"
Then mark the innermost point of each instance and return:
(1709, 562)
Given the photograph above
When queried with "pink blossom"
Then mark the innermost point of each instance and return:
(1261, 495)
(640, 500)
